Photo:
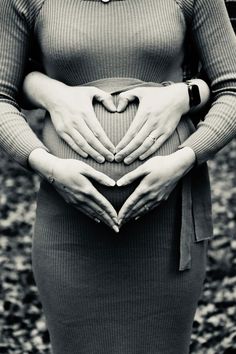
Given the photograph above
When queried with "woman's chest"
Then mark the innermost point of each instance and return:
(117, 33)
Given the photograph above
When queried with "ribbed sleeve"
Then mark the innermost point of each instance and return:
(16, 21)
(216, 43)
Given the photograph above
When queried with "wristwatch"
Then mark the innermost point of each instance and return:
(194, 94)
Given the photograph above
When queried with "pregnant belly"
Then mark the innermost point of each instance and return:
(115, 126)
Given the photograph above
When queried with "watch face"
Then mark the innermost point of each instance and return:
(195, 96)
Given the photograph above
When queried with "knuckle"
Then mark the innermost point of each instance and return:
(97, 134)
(87, 191)
(82, 144)
(80, 198)
(60, 130)
(86, 112)
(146, 144)
(101, 212)
(142, 191)
(152, 195)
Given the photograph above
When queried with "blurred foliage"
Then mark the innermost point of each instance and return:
(22, 323)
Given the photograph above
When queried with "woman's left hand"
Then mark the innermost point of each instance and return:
(159, 112)
(160, 176)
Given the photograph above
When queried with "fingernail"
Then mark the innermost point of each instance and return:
(128, 160)
(113, 107)
(120, 221)
(119, 183)
(110, 158)
(118, 158)
(141, 157)
(111, 183)
(136, 218)
(100, 159)
(116, 228)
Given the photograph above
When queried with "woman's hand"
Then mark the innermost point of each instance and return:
(159, 112)
(71, 178)
(160, 176)
(72, 114)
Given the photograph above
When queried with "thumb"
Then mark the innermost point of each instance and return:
(98, 176)
(124, 98)
(106, 99)
(132, 176)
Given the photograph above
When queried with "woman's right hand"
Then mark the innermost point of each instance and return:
(71, 178)
(72, 114)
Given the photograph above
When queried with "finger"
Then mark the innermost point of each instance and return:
(142, 200)
(139, 193)
(104, 204)
(73, 145)
(145, 209)
(106, 99)
(124, 98)
(94, 212)
(98, 176)
(95, 126)
(84, 145)
(159, 142)
(122, 104)
(142, 203)
(94, 142)
(132, 176)
(135, 150)
(141, 139)
(137, 123)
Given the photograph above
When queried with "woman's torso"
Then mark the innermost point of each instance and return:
(110, 45)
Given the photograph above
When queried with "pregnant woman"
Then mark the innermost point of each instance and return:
(136, 290)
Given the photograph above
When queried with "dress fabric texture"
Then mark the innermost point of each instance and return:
(135, 292)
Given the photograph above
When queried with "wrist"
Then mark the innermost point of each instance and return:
(41, 90)
(186, 159)
(51, 101)
(42, 162)
(183, 95)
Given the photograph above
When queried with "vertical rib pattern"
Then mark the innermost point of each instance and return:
(82, 41)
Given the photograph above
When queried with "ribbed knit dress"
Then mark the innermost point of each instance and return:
(135, 292)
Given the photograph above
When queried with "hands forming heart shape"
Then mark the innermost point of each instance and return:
(159, 112)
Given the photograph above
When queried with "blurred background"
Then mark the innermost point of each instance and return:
(22, 324)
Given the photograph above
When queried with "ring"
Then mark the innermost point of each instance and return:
(51, 179)
(153, 138)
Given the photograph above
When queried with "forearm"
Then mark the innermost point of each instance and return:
(16, 137)
(218, 128)
(41, 90)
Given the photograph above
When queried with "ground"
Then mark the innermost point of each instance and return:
(22, 325)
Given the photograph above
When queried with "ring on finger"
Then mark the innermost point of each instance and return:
(153, 138)
(145, 208)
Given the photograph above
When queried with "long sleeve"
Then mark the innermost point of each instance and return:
(216, 44)
(16, 22)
